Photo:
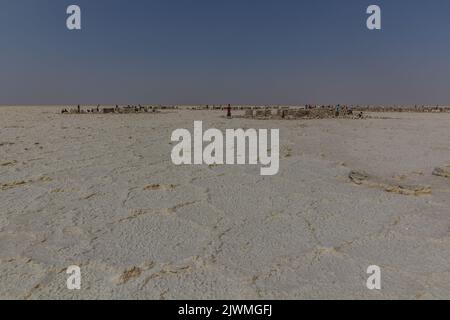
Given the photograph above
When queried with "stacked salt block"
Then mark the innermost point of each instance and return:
(301, 113)
(108, 110)
(322, 113)
(292, 113)
(249, 113)
(260, 113)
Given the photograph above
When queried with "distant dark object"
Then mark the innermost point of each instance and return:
(108, 110)
(337, 111)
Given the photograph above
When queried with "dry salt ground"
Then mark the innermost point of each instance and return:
(101, 192)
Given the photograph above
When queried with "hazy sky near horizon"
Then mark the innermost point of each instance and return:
(233, 51)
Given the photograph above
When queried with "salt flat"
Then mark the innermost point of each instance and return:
(101, 192)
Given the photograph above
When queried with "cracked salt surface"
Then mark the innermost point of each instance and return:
(100, 192)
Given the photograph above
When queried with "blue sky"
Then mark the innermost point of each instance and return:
(234, 51)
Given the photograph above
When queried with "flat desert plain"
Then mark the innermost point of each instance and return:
(101, 192)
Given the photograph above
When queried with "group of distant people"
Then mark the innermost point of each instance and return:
(97, 109)
(338, 110)
(92, 110)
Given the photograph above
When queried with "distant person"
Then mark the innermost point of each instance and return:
(229, 111)
(337, 111)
